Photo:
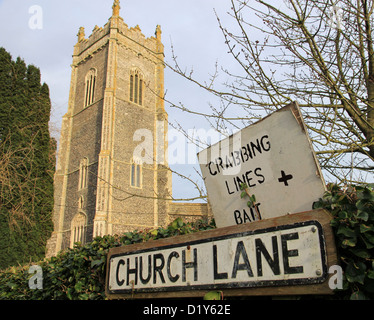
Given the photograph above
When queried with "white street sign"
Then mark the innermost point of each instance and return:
(292, 254)
(275, 158)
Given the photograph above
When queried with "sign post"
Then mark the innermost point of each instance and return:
(279, 256)
(274, 158)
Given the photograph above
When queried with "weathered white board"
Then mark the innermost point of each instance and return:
(283, 255)
(291, 254)
(275, 158)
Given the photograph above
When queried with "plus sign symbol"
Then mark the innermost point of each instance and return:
(285, 177)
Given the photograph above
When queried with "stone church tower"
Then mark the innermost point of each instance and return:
(112, 174)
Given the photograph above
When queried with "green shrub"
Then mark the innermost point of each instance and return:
(353, 224)
(79, 273)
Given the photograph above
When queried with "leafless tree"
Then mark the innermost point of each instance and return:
(318, 53)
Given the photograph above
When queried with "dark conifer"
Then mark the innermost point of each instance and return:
(27, 159)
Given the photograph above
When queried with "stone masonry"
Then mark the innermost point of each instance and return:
(112, 174)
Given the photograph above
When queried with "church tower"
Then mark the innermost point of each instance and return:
(112, 173)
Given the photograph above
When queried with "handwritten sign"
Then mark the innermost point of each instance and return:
(286, 251)
(274, 158)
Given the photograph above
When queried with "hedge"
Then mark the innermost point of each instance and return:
(353, 224)
(79, 273)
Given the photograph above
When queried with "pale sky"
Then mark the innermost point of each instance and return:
(191, 26)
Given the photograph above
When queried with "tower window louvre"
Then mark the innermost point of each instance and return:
(78, 229)
(136, 175)
(90, 87)
(131, 88)
(136, 87)
(141, 92)
(83, 174)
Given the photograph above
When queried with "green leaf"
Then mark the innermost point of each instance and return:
(69, 293)
(83, 296)
(174, 225)
(363, 215)
(318, 204)
(96, 263)
(243, 194)
(243, 186)
(343, 214)
(369, 236)
(350, 242)
(78, 287)
(361, 204)
(360, 252)
(180, 222)
(368, 244)
(366, 194)
(355, 272)
(370, 274)
(358, 295)
(154, 232)
(214, 295)
(12, 285)
(365, 228)
(346, 231)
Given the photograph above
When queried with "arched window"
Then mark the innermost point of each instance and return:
(136, 87)
(136, 175)
(78, 229)
(90, 83)
(83, 174)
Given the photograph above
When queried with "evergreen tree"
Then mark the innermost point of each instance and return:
(27, 160)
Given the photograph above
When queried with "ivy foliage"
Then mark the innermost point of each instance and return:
(353, 223)
(79, 273)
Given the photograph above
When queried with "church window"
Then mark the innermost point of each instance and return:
(136, 87)
(90, 87)
(136, 175)
(83, 174)
(78, 229)
(80, 203)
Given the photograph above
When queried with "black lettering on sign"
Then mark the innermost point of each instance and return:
(121, 262)
(157, 268)
(267, 143)
(237, 157)
(212, 172)
(216, 274)
(241, 253)
(262, 251)
(243, 217)
(172, 278)
(290, 253)
(132, 271)
(219, 163)
(250, 177)
(259, 175)
(239, 219)
(186, 265)
(229, 163)
(145, 280)
(228, 188)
